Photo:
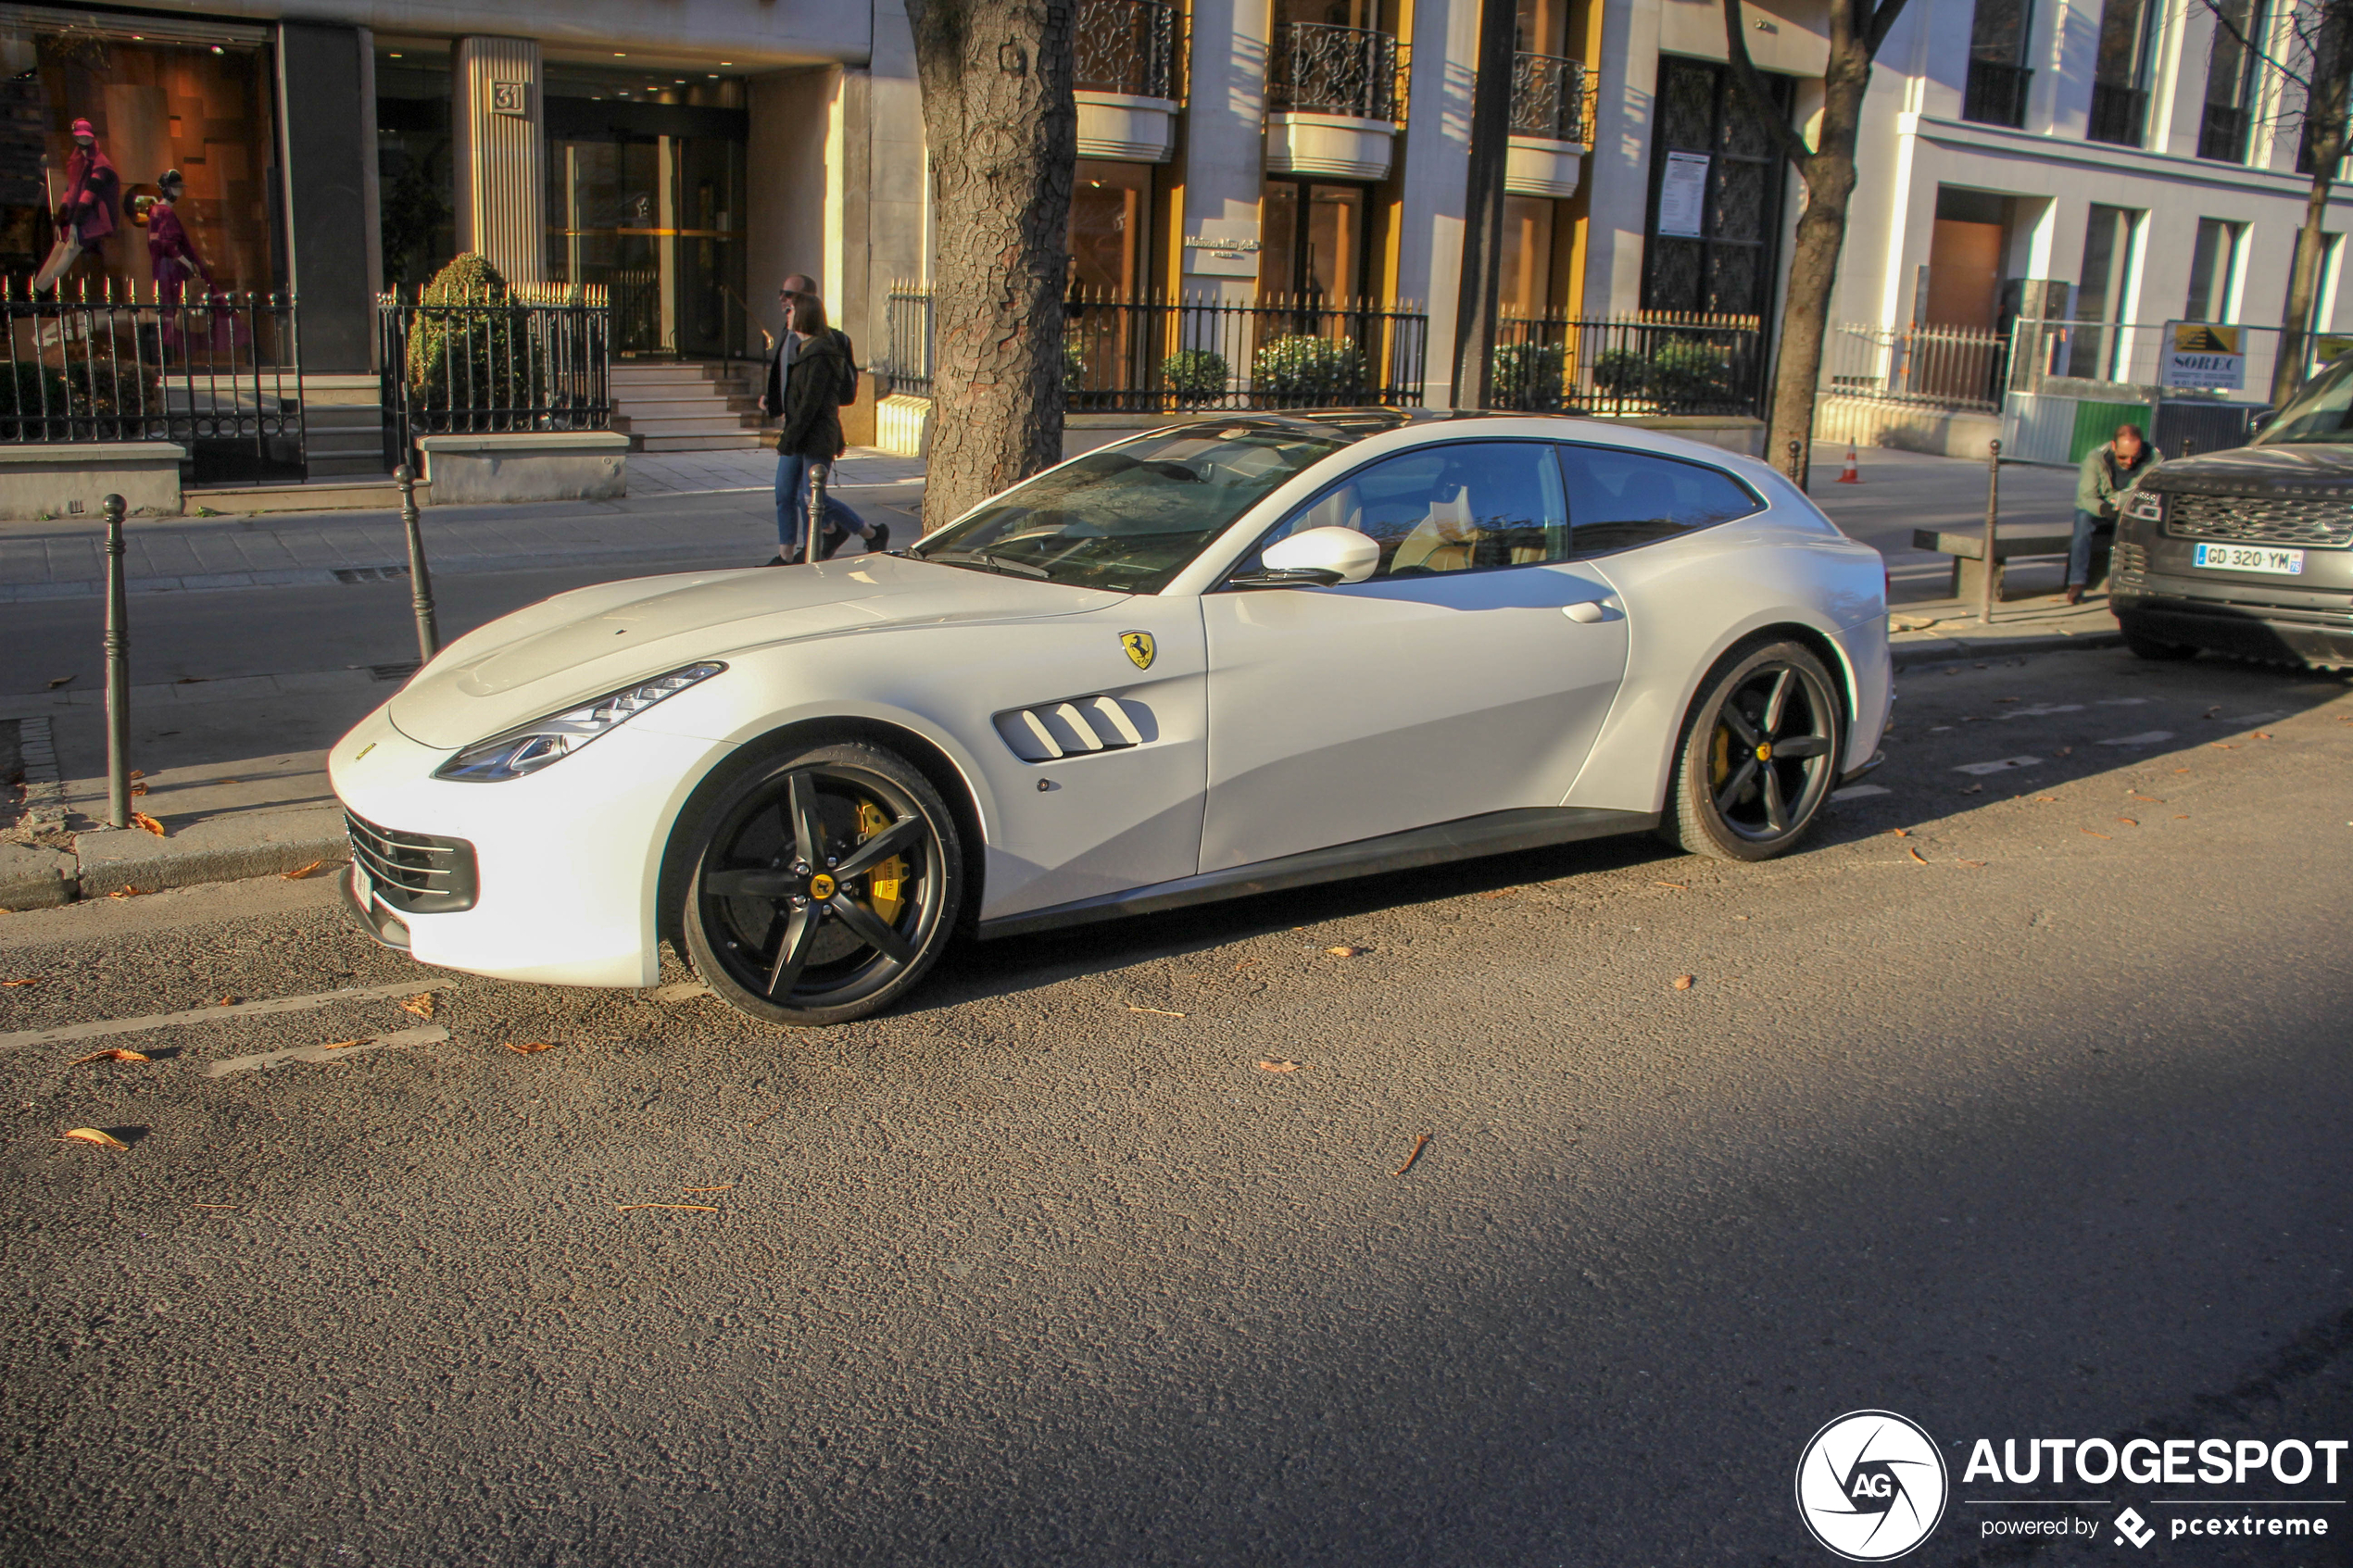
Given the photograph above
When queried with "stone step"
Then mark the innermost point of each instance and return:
(723, 440)
(703, 425)
(683, 407)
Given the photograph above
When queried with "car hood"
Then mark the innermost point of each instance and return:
(582, 645)
(2319, 468)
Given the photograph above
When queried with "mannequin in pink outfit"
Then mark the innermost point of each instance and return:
(173, 253)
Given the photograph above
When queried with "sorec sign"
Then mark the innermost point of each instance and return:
(2205, 357)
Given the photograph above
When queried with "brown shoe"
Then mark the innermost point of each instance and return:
(2074, 594)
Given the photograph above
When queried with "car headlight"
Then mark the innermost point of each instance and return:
(2145, 505)
(528, 747)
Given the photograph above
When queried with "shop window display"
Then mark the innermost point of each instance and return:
(82, 98)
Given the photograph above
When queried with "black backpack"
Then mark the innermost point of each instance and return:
(848, 392)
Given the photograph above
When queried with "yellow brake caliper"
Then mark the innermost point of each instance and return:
(1719, 757)
(882, 883)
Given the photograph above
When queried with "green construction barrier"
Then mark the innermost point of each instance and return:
(2095, 425)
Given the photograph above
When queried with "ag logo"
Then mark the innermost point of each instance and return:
(1141, 647)
(1870, 1485)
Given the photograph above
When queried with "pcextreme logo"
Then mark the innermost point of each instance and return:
(1871, 1486)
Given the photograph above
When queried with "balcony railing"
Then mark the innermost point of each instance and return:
(1158, 354)
(1319, 69)
(2221, 134)
(1130, 46)
(1995, 94)
(1548, 97)
(2117, 114)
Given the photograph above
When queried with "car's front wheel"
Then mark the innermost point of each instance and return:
(826, 880)
(1759, 755)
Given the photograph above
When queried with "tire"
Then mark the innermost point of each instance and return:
(1729, 801)
(832, 940)
(2146, 647)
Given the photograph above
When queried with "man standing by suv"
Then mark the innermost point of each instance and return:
(792, 469)
(2107, 472)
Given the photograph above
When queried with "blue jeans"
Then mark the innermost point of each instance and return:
(2079, 550)
(792, 506)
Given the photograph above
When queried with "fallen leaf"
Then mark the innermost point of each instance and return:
(138, 772)
(1917, 856)
(2180, 816)
(420, 1005)
(1278, 1067)
(529, 1046)
(59, 681)
(137, 790)
(1685, 983)
(341, 1045)
(224, 1001)
(1677, 886)
(130, 892)
(1244, 965)
(2181, 769)
(1901, 833)
(141, 820)
(300, 872)
(92, 1134)
(2152, 799)
(2047, 799)
(1972, 789)
(227, 780)
(1418, 1144)
(1343, 952)
(2094, 835)
(2128, 821)
(723, 1186)
(1500, 893)
(2222, 746)
(2263, 734)
(694, 1208)
(116, 1054)
(29, 980)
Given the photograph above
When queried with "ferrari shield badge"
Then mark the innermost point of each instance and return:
(1141, 647)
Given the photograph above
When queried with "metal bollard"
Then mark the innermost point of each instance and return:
(420, 581)
(1993, 515)
(1796, 464)
(816, 512)
(2189, 447)
(118, 673)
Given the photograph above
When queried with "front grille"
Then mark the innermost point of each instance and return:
(414, 872)
(2267, 519)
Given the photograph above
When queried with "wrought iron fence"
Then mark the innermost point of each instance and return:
(1319, 69)
(1658, 363)
(220, 373)
(1548, 97)
(1130, 46)
(1158, 354)
(534, 358)
(1958, 368)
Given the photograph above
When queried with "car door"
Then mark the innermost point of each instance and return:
(1468, 674)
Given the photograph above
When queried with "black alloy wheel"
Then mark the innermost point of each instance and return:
(1760, 754)
(826, 882)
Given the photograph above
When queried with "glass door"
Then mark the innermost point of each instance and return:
(657, 221)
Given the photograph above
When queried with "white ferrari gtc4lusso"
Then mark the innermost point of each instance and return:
(1236, 655)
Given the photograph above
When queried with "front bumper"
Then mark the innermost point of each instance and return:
(567, 860)
(2237, 616)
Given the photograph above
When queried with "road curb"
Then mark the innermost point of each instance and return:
(1957, 650)
(34, 878)
(228, 849)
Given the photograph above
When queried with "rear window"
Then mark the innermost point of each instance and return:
(1618, 499)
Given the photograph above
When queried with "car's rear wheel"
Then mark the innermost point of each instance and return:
(1760, 754)
(826, 882)
(2136, 638)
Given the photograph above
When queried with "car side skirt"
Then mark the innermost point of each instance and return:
(1495, 833)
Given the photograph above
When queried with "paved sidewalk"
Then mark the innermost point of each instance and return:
(661, 519)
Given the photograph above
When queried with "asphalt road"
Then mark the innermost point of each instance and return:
(2029, 1122)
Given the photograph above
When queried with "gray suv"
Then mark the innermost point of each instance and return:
(2247, 552)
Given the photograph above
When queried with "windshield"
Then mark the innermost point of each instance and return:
(1130, 516)
(2322, 411)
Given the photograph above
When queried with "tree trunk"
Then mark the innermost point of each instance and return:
(2324, 109)
(1491, 137)
(1002, 128)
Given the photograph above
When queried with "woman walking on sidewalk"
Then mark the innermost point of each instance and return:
(2107, 472)
(810, 377)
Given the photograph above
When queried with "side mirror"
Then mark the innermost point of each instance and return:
(1316, 557)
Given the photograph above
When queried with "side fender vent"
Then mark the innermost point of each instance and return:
(1080, 727)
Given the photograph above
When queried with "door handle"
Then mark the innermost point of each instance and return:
(1586, 614)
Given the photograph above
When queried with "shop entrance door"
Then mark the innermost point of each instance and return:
(657, 221)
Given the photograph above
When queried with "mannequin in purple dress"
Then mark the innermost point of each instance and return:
(87, 215)
(173, 253)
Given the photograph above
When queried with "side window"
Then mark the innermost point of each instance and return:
(1467, 506)
(1618, 499)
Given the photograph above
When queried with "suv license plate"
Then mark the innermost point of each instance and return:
(2249, 557)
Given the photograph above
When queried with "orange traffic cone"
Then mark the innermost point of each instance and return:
(1851, 475)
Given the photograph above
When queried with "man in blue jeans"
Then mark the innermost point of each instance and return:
(2107, 472)
(792, 470)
